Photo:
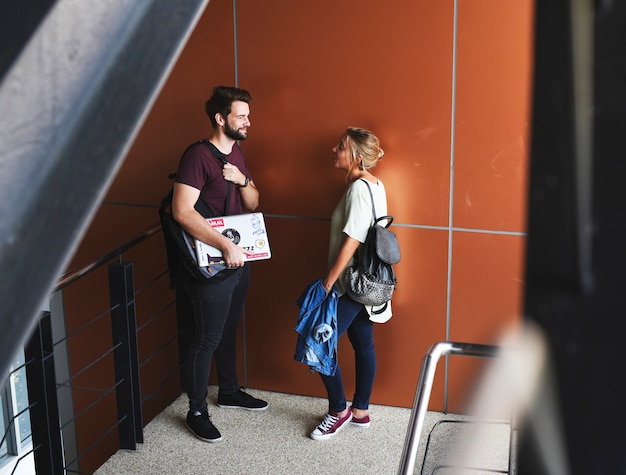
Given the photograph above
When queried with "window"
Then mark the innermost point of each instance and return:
(4, 424)
(15, 424)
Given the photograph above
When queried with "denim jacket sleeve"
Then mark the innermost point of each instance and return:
(317, 328)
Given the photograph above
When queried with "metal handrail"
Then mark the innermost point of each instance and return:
(424, 388)
(75, 274)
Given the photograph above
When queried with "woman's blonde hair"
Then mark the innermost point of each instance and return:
(363, 145)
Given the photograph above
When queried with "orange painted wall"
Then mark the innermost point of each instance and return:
(456, 142)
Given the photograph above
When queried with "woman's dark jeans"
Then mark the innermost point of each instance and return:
(353, 317)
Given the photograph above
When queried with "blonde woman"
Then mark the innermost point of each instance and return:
(357, 153)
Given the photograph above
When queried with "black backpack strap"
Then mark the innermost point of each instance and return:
(218, 154)
(376, 220)
(222, 158)
(371, 196)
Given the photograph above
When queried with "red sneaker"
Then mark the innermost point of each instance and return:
(331, 425)
(361, 421)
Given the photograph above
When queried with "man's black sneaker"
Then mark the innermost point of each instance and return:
(241, 400)
(201, 426)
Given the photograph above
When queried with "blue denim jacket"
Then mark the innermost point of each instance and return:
(317, 328)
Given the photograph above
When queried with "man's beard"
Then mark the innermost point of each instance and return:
(234, 134)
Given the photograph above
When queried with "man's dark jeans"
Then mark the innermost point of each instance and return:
(217, 307)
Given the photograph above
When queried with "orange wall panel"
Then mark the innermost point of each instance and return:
(329, 65)
(491, 139)
(111, 227)
(486, 301)
(486, 286)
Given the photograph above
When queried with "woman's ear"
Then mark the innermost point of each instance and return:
(359, 160)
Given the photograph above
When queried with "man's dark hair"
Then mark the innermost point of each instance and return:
(222, 99)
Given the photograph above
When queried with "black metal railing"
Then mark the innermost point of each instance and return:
(52, 448)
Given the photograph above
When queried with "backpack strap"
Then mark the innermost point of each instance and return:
(376, 220)
(371, 196)
(222, 158)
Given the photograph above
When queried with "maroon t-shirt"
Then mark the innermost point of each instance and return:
(202, 170)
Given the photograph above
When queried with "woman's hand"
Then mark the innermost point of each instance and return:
(327, 285)
(347, 250)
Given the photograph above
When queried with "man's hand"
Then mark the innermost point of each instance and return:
(233, 174)
(234, 255)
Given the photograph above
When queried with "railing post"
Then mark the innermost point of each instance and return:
(124, 328)
(424, 388)
(420, 406)
(42, 395)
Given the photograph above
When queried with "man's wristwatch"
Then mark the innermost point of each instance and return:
(245, 184)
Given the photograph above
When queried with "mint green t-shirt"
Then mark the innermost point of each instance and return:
(353, 217)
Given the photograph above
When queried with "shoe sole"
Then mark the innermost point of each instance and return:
(361, 424)
(210, 441)
(254, 409)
